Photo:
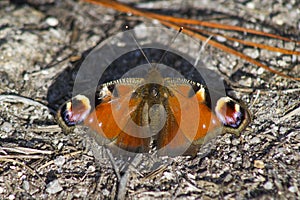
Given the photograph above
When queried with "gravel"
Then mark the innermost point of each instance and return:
(41, 44)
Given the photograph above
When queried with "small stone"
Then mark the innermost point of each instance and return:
(59, 161)
(54, 187)
(246, 147)
(227, 141)
(260, 71)
(220, 38)
(246, 164)
(268, 185)
(260, 179)
(20, 174)
(105, 192)
(11, 197)
(293, 189)
(1, 190)
(225, 157)
(6, 127)
(191, 176)
(261, 171)
(91, 168)
(235, 142)
(253, 53)
(279, 19)
(168, 175)
(247, 82)
(60, 145)
(259, 164)
(51, 21)
(255, 140)
(12, 167)
(228, 178)
(282, 63)
(26, 185)
(250, 5)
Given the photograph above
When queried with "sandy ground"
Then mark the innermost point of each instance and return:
(42, 44)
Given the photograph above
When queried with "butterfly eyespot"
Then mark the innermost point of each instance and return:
(232, 115)
(74, 111)
(66, 116)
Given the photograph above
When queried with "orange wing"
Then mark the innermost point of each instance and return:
(113, 120)
(189, 122)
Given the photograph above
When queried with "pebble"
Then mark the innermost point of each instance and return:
(235, 142)
(220, 38)
(260, 179)
(168, 175)
(105, 192)
(60, 145)
(20, 174)
(282, 63)
(268, 185)
(255, 140)
(54, 187)
(26, 185)
(250, 5)
(246, 82)
(191, 176)
(246, 147)
(11, 197)
(6, 127)
(60, 161)
(227, 141)
(253, 53)
(228, 178)
(292, 189)
(51, 21)
(260, 71)
(279, 19)
(259, 164)
(91, 168)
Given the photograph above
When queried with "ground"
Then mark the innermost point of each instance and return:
(42, 44)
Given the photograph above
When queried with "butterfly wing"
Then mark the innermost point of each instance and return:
(111, 117)
(189, 121)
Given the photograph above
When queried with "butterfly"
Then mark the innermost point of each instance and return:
(172, 115)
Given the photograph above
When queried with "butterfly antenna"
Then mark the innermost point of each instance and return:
(169, 45)
(139, 46)
(202, 50)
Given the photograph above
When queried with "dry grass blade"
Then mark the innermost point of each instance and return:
(49, 128)
(24, 100)
(230, 50)
(248, 43)
(21, 157)
(175, 22)
(24, 150)
(294, 112)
